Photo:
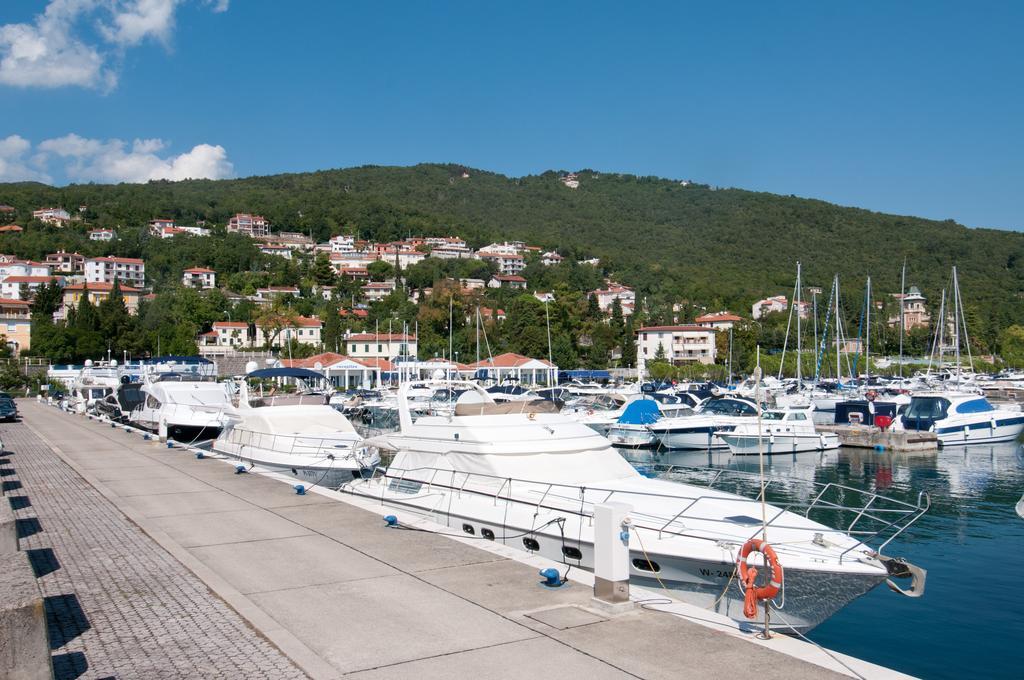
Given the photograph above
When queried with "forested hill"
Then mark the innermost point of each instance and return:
(718, 247)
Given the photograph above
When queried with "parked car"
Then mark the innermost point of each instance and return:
(8, 409)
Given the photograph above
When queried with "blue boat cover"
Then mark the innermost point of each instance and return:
(303, 373)
(640, 412)
(584, 374)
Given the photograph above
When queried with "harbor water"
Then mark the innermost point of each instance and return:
(968, 623)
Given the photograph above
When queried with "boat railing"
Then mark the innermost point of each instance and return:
(289, 443)
(886, 518)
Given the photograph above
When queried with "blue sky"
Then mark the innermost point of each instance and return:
(910, 107)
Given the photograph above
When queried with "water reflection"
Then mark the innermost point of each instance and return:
(965, 542)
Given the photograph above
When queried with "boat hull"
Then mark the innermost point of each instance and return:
(753, 445)
(985, 432)
(809, 597)
(632, 437)
(693, 439)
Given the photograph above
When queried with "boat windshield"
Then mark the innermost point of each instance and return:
(773, 415)
(927, 408)
(729, 407)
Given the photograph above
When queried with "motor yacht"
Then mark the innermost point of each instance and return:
(532, 479)
(963, 418)
(312, 442)
(180, 399)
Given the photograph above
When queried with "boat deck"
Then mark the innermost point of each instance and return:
(157, 564)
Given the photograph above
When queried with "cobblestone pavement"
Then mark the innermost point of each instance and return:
(118, 605)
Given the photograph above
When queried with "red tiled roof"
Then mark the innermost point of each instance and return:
(308, 322)
(361, 313)
(200, 270)
(723, 316)
(513, 278)
(30, 279)
(11, 228)
(230, 324)
(8, 302)
(102, 287)
(690, 327)
(507, 360)
(118, 260)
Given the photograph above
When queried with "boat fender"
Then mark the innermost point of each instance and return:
(748, 575)
(391, 521)
(300, 489)
(552, 578)
(145, 435)
(239, 469)
(170, 443)
(200, 455)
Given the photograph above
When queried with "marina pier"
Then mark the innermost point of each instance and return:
(152, 561)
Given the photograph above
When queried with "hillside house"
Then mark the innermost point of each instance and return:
(199, 277)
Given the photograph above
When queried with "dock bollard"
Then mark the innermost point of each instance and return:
(611, 553)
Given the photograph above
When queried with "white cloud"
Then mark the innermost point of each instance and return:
(13, 165)
(51, 51)
(113, 160)
(136, 20)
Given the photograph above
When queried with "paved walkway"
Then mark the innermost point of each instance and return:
(321, 579)
(117, 604)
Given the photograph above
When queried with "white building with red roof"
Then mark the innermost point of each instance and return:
(778, 303)
(517, 367)
(720, 321)
(607, 296)
(56, 216)
(11, 286)
(378, 290)
(129, 270)
(227, 334)
(507, 281)
(67, 263)
(199, 277)
(685, 344)
(305, 330)
(248, 224)
(388, 346)
(551, 258)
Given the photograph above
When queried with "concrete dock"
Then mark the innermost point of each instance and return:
(154, 564)
(871, 437)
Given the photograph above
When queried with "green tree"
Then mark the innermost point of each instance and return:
(380, 270)
(322, 272)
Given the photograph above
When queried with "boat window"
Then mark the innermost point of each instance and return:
(975, 406)
(468, 528)
(773, 415)
(647, 565)
(531, 544)
(927, 408)
(487, 533)
(729, 407)
(572, 553)
(152, 402)
(797, 416)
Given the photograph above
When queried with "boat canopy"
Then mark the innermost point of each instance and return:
(303, 373)
(583, 374)
(175, 359)
(640, 412)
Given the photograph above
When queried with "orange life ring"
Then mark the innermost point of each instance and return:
(748, 574)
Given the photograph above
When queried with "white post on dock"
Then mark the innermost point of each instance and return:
(162, 430)
(611, 553)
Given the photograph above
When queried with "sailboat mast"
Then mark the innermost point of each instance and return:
(796, 304)
(956, 323)
(839, 367)
(903, 292)
(867, 334)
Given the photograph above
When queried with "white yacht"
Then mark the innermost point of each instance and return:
(92, 384)
(531, 480)
(312, 442)
(699, 430)
(179, 398)
(780, 431)
(962, 418)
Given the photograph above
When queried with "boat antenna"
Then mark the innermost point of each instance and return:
(789, 323)
(798, 304)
